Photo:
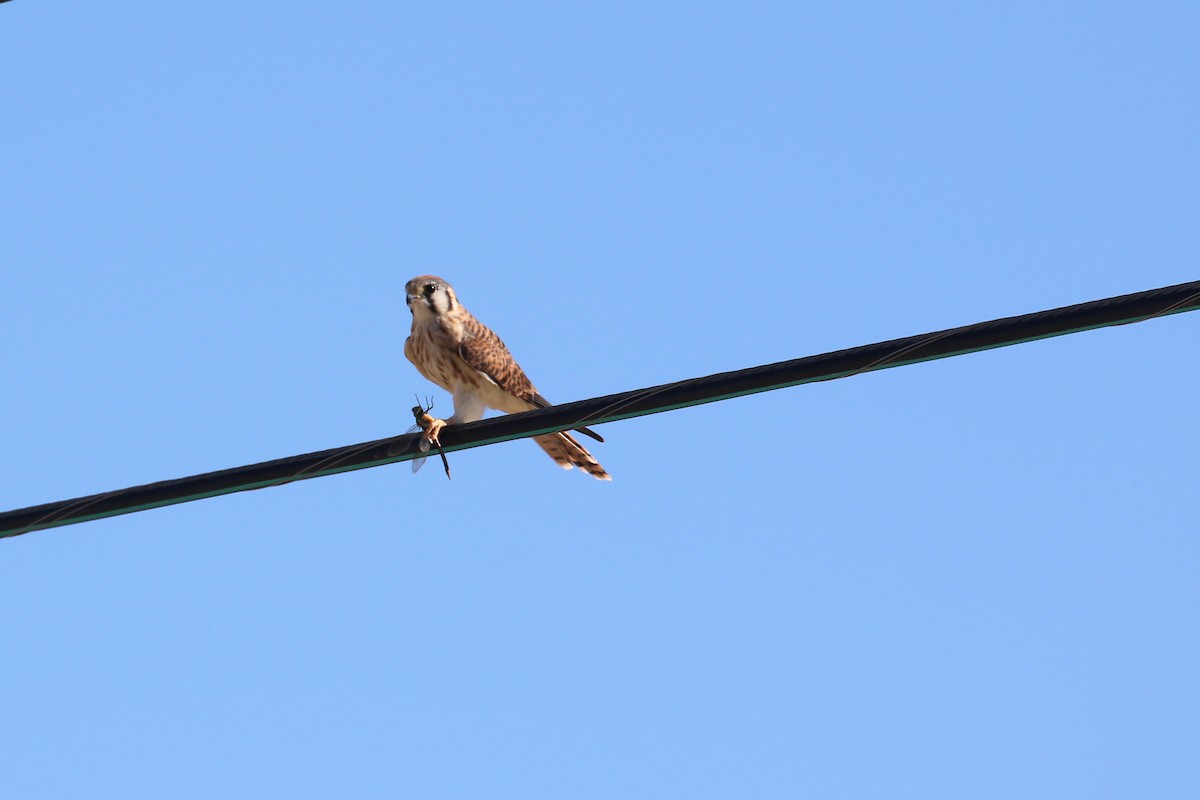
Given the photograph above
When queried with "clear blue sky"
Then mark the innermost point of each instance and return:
(969, 578)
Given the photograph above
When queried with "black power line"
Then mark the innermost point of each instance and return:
(1121, 310)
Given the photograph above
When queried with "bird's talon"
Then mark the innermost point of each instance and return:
(431, 429)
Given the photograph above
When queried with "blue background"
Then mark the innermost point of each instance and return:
(968, 578)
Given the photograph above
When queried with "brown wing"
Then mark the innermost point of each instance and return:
(485, 352)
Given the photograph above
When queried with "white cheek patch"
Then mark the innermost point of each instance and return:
(441, 302)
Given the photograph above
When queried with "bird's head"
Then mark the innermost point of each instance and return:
(429, 294)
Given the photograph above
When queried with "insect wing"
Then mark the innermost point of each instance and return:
(423, 446)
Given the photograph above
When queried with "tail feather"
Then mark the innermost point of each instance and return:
(568, 453)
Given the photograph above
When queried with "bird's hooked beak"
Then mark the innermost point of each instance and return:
(417, 292)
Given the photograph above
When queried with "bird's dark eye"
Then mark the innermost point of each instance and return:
(430, 288)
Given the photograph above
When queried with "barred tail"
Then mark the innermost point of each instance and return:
(568, 453)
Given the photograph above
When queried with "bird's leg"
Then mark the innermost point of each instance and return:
(432, 430)
(431, 427)
(467, 408)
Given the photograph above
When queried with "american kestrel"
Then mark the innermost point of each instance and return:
(462, 355)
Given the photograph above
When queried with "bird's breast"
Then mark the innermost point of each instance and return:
(434, 352)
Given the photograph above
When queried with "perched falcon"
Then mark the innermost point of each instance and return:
(462, 355)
